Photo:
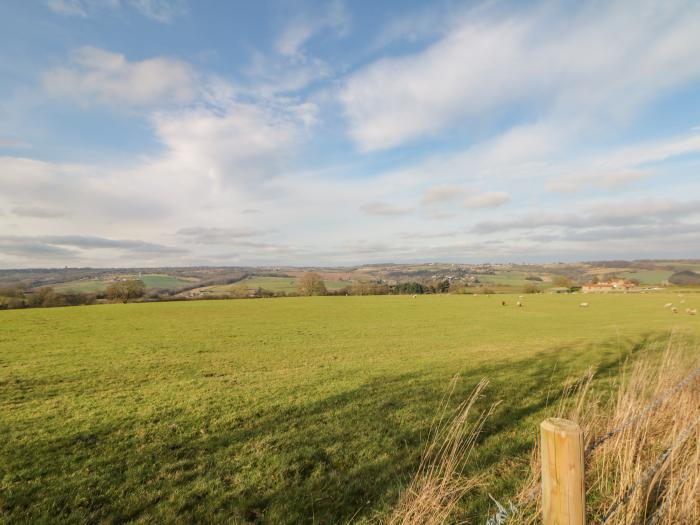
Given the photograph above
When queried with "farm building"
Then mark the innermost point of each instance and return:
(613, 285)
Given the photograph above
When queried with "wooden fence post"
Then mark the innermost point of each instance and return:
(563, 492)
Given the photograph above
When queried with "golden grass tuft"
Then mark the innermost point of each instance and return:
(631, 477)
(439, 484)
(628, 480)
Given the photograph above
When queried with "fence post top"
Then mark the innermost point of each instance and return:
(557, 424)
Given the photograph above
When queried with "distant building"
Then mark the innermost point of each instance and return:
(613, 285)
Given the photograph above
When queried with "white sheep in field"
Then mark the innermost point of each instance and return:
(584, 305)
(518, 303)
(414, 296)
(691, 311)
(668, 305)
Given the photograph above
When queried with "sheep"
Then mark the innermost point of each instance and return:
(414, 296)
(503, 303)
(691, 311)
(668, 305)
(674, 310)
(518, 303)
(584, 305)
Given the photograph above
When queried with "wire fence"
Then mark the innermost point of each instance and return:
(505, 512)
(649, 473)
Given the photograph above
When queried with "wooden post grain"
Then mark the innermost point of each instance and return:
(563, 492)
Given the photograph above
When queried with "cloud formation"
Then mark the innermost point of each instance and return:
(95, 75)
(382, 208)
(489, 62)
(163, 11)
(490, 199)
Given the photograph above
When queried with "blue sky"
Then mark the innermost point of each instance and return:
(175, 132)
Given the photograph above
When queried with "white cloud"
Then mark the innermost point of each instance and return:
(293, 38)
(596, 179)
(606, 214)
(622, 167)
(382, 208)
(68, 7)
(37, 212)
(491, 199)
(239, 143)
(441, 194)
(202, 235)
(566, 69)
(99, 76)
(163, 11)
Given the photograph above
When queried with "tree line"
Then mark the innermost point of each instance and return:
(17, 296)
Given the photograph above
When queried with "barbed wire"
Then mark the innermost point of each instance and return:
(651, 406)
(649, 472)
(506, 511)
(661, 509)
(509, 509)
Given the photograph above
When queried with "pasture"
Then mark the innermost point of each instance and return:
(151, 281)
(272, 284)
(295, 410)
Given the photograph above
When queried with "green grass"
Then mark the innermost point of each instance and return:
(648, 276)
(273, 284)
(295, 410)
(152, 281)
(512, 279)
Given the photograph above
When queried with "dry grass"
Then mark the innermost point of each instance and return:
(439, 484)
(629, 478)
(647, 473)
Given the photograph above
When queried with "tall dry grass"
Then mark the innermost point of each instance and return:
(439, 484)
(649, 472)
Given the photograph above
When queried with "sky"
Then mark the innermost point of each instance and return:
(292, 132)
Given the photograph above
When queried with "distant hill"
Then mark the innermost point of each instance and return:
(685, 278)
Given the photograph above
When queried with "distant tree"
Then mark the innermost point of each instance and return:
(685, 278)
(125, 290)
(240, 290)
(530, 288)
(441, 286)
(44, 297)
(561, 281)
(311, 284)
(533, 278)
(13, 290)
(409, 288)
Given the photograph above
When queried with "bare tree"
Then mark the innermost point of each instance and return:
(311, 284)
(125, 290)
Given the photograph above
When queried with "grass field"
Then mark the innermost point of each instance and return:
(516, 279)
(273, 284)
(648, 276)
(152, 281)
(298, 410)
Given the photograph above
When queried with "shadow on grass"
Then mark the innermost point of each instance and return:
(338, 459)
(347, 456)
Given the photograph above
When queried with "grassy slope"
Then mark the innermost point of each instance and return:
(279, 410)
(273, 284)
(648, 276)
(152, 281)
